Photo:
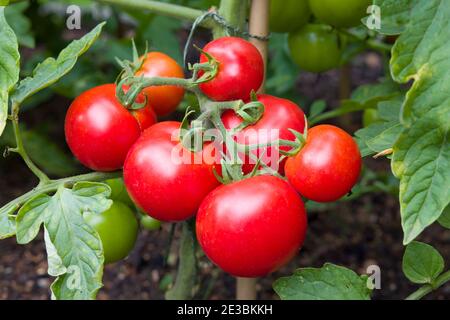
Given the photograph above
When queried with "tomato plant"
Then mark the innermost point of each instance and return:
(327, 166)
(315, 48)
(233, 217)
(288, 15)
(241, 69)
(157, 182)
(340, 13)
(117, 228)
(247, 216)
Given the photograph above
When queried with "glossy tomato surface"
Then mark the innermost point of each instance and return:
(150, 223)
(119, 192)
(279, 116)
(241, 69)
(99, 130)
(145, 116)
(252, 227)
(117, 228)
(340, 13)
(327, 167)
(162, 99)
(288, 15)
(165, 180)
(315, 48)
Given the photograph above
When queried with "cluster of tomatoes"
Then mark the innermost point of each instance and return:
(316, 47)
(249, 227)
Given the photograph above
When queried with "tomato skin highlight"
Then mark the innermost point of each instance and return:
(327, 167)
(288, 15)
(99, 130)
(252, 227)
(241, 69)
(279, 114)
(164, 189)
(162, 99)
(117, 228)
(315, 48)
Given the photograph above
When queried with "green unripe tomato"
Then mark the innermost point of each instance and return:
(117, 228)
(315, 48)
(288, 15)
(370, 116)
(150, 223)
(119, 192)
(340, 13)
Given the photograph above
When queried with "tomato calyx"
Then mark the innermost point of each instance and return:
(129, 68)
(206, 71)
(251, 112)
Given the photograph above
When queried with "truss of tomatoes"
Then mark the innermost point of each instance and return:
(250, 227)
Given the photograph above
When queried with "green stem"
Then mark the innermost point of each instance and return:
(53, 185)
(370, 43)
(234, 12)
(162, 8)
(187, 267)
(335, 113)
(20, 149)
(426, 289)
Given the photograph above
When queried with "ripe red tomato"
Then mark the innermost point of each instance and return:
(162, 99)
(167, 187)
(99, 130)
(279, 116)
(145, 117)
(327, 167)
(252, 227)
(241, 69)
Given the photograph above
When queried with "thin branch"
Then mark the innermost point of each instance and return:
(428, 288)
(53, 185)
(20, 149)
(162, 8)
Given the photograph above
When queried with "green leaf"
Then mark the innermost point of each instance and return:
(7, 224)
(382, 135)
(20, 23)
(51, 70)
(421, 54)
(422, 162)
(421, 154)
(371, 94)
(74, 248)
(394, 15)
(422, 263)
(317, 108)
(331, 282)
(444, 219)
(9, 66)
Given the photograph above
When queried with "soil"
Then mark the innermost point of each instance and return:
(355, 234)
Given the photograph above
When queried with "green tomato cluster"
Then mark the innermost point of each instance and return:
(316, 46)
